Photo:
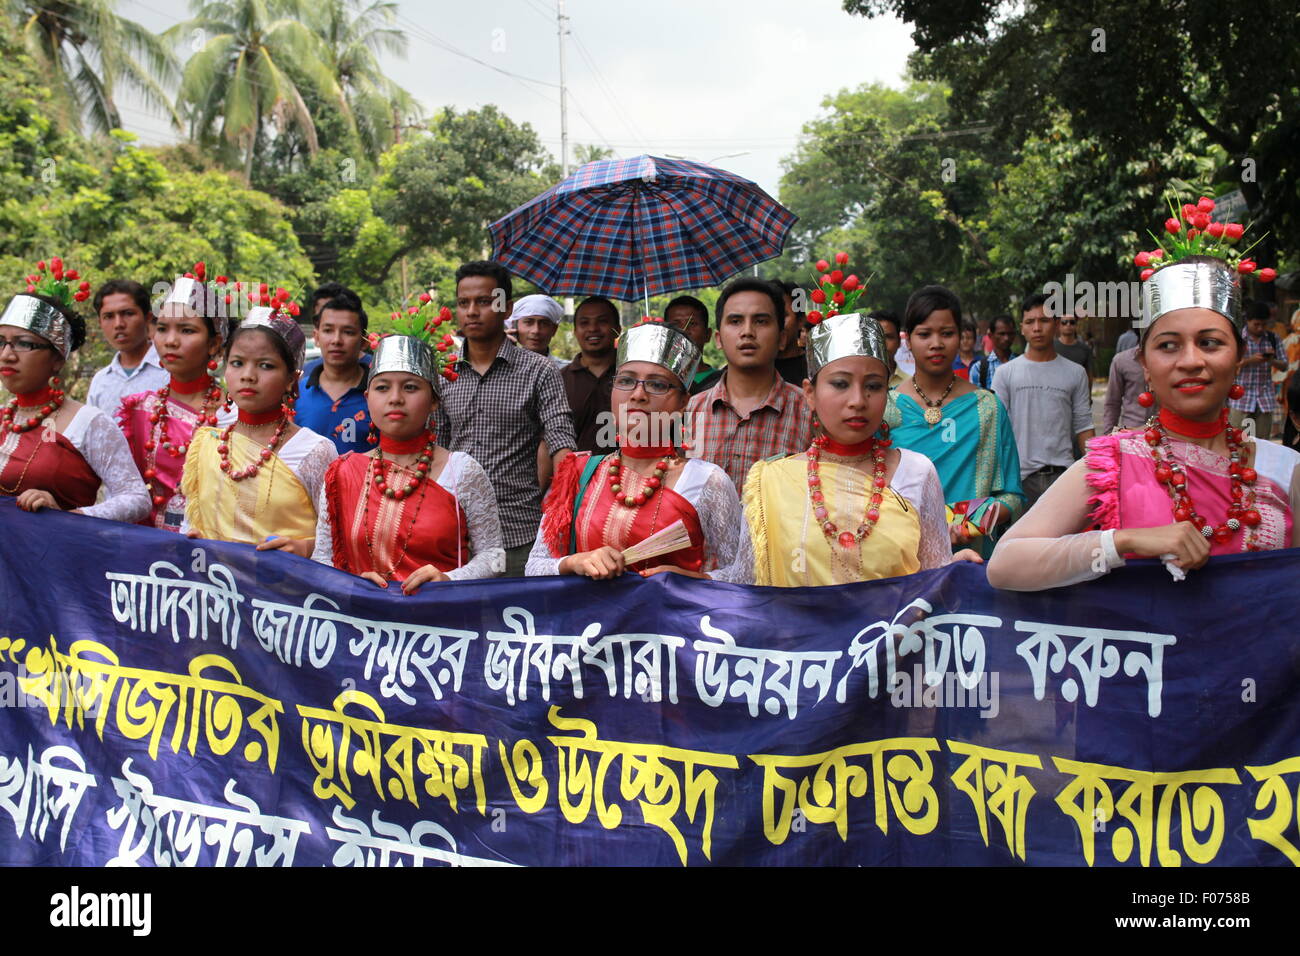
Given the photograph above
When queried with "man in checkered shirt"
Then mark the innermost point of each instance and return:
(1261, 353)
(750, 413)
(505, 401)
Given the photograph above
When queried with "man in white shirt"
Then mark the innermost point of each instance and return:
(1048, 399)
(124, 313)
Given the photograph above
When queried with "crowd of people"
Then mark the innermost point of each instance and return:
(827, 450)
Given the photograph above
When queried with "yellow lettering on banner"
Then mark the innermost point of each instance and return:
(525, 764)
(576, 776)
(823, 796)
(1150, 822)
(1273, 791)
(82, 683)
(446, 772)
(996, 789)
(646, 776)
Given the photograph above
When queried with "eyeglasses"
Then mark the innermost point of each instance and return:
(1069, 322)
(24, 345)
(653, 386)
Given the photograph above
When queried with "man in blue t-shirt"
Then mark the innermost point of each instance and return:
(332, 389)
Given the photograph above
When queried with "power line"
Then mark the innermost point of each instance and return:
(606, 89)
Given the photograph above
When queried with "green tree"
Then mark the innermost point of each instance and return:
(353, 37)
(883, 176)
(87, 53)
(442, 189)
(239, 79)
(1141, 78)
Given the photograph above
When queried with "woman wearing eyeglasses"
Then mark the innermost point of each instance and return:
(56, 452)
(601, 505)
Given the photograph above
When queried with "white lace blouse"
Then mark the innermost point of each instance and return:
(104, 447)
(468, 483)
(917, 481)
(710, 491)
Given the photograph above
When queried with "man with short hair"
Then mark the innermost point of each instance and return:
(1003, 333)
(1048, 399)
(1071, 346)
(125, 317)
(790, 362)
(751, 412)
(332, 389)
(692, 316)
(504, 402)
(589, 378)
(536, 319)
(1125, 383)
(322, 294)
(889, 324)
(1261, 352)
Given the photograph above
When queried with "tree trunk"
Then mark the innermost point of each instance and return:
(252, 145)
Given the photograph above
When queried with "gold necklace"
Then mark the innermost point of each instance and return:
(933, 411)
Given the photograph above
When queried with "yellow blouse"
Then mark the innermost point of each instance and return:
(791, 550)
(272, 502)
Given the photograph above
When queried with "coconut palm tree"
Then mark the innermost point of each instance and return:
(89, 53)
(238, 80)
(356, 35)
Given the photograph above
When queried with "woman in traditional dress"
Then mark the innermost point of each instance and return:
(409, 511)
(188, 334)
(1187, 486)
(56, 452)
(850, 508)
(599, 506)
(962, 429)
(258, 479)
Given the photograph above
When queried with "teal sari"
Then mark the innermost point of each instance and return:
(973, 450)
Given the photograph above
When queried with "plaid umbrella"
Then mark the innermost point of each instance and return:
(632, 228)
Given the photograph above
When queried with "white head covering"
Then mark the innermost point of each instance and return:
(538, 305)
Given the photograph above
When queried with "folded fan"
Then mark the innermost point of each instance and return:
(675, 537)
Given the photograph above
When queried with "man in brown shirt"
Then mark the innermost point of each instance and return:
(589, 378)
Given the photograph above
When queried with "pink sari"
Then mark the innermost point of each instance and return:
(1126, 493)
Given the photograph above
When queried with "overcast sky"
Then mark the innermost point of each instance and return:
(704, 79)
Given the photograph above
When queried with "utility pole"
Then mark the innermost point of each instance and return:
(561, 30)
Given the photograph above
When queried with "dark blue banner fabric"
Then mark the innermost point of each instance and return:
(173, 702)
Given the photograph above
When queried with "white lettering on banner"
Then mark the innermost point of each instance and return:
(510, 655)
(358, 845)
(1093, 658)
(396, 648)
(647, 682)
(965, 649)
(25, 790)
(713, 681)
(284, 629)
(151, 602)
(175, 831)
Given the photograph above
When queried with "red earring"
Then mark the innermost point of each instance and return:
(372, 434)
(884, 441)
(1237, 391)
(1146, 399)
(212, 365)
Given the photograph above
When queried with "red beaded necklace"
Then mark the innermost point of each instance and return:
(651, 484)
(1171, 474)
(48, 399)
(158, 426)
(873, 447)
(395, 447)
(250, 418)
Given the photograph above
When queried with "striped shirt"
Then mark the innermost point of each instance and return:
(499, 418)
(781, 425)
